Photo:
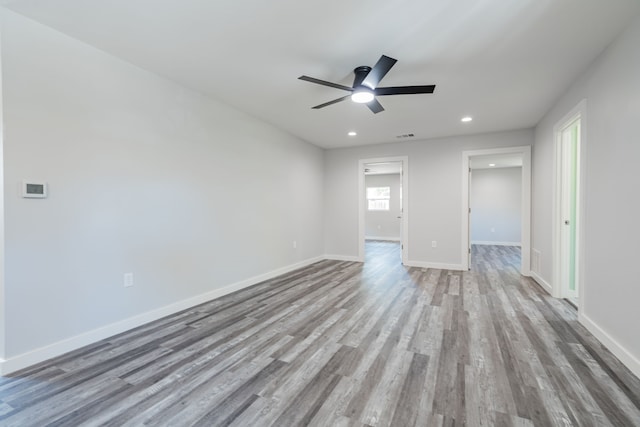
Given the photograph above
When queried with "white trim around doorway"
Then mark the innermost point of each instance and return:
(577, 112)
(405, 203)
(525, 151)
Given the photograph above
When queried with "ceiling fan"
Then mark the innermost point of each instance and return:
(365, 85)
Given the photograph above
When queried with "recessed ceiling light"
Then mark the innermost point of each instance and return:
(352, 133)
(492, 164)
(466, 119)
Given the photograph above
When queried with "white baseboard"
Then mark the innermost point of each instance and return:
(437, 265)
(545, 285)
(33, 357)
(487, 242)
(628, 359)
(343, 258)
(386, 239)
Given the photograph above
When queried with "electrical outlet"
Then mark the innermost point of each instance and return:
(295, 244)
(128, 280)
(493, 230)
(434, 244)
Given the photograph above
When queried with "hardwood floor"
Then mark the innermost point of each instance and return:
(345, 344)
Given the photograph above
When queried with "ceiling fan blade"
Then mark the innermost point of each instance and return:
(378, 71)
(375, 106)
(404, 90)
(335, 101)
(325, 83)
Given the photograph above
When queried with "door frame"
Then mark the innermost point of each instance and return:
(404, 240)
(525, 215)
(557, 288)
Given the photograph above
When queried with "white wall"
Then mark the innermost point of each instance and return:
(610, 290)
(434, 191)
(2, 296)
(495, 199)
(384, 225)
(145, 177)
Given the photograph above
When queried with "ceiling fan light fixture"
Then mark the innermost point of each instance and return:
(362, 95)
(366, 89)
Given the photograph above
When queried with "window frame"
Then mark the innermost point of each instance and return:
(377, 198)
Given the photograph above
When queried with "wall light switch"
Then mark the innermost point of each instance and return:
(434, 244)
(128, 280)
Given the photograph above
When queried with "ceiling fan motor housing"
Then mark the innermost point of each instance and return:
(360, 72)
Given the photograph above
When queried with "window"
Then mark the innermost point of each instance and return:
(378, 198)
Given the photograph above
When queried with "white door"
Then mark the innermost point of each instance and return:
(569, 157)
(401, 209)
(469, 220)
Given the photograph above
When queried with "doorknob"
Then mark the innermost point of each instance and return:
(566, 222)
(399, 217)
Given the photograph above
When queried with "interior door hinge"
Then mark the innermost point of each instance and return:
(469, 250)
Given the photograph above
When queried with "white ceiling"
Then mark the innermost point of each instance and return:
(503, 62)
(497, 160)
(383, 168)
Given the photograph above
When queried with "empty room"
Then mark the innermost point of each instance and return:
(365, 213)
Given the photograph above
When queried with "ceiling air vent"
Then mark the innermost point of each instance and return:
(406, 135)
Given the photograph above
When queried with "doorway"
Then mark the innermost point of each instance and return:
(566, 259)
(522, 153)
(495, 214)
(383, 215)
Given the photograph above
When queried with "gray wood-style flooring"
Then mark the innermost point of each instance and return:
(345, 344)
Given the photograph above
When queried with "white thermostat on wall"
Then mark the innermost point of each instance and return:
(34, 190)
